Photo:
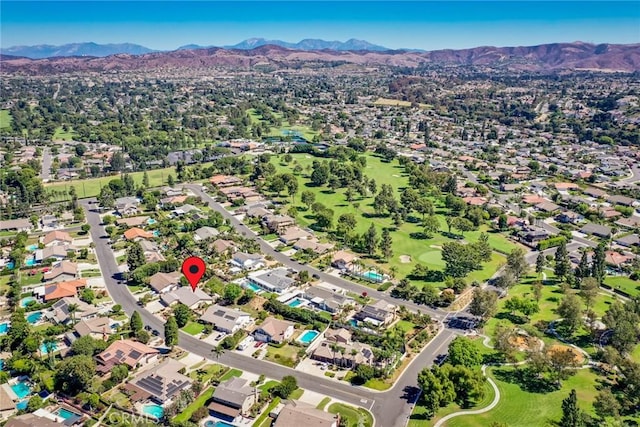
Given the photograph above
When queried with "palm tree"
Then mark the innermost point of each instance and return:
(50, 345)
(72, 308)
(217, 351)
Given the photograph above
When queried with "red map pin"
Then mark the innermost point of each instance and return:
(193, 269)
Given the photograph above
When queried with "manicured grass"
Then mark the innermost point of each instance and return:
(91, 187)
(323, 403)
(5, 119)
(524, 409)
(635, 355)
(632, 287)
(207, 372)
(377, 384)
(305, 131)
(418, 416)
(62, 135)
(261, 419)
(193, 328)
(230, 374)
(297, 394)
(287, 355)
(405, 326)
(198, 403)
(354, 417)
(405, 241)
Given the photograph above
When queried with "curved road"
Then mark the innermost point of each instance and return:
(390, 408)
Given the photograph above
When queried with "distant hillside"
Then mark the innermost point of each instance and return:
(75, 49)
(310, 44)
(557, 56)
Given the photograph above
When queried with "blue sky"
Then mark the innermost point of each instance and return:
(395, 24)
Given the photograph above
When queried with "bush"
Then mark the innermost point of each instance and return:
(385, 286)
(199, 414)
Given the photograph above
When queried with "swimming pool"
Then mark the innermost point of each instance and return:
(217, 424)
(353, 323)
(156, 233)
(373, 276)
(4, 328)
(308, 336)
(66, 414)
(25, 301)
(155, 411)
(34, 317)
(10, 265)
(31, 248)
(45, 350)
(30, 262)
(1, 364)
(295, 302)
(255, 288)
(21, 406)
(21, 389)
(151, 221)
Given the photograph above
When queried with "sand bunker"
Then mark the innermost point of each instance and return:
(578, 357)
(405, 259)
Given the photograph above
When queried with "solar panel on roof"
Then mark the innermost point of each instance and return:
(135, 354)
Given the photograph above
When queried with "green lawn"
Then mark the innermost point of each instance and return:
(424, 251)
(405, 326)
(193, 328)
(355, 417)
(198, 403)
(230, 374)
(5, 119)
(262, 418)
(297, 394)
(323, 403)
(527, 409)
(60, 134)
(377, 384)
(287, 355)
(305, 131)
(632, 287)
(91, 187)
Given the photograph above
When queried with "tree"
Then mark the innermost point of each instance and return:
(365, 373)
(135, 323)
(88, 346)
(324, 218)
(370, 240)
(87, 295)
(503, 338)
(588, 290)
(460, 259)
(182, 313)
(571, 414)
(563, 265)
(468, 383)
(385, 244)
(583, 270)
(502, 222)
(74, 374)
(484, 303)
(516, 263)
(320, 174)
(431, 225)
(145, 179)
(287, 386)
(117, 162)
(135, 256)
(424, 207)
(34, 403)
(571, 313)
(85, 228)
(308, 198)
(541, 263)
(346, 224)
(606, 404)
(462, 225)
(483, 247)
(463, 352)
(437, 389)
(73, 309)
(171, 332)
(525, 306)
(598, 264)
(537, 291)
(232, 292)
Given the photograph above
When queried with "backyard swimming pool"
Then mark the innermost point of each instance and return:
(31, 248)
(217, 424)
(155, 411)
(30, 262)
(4, 328)
(25, 301)
(34, 317)
(295, 302)
(151, 221)
(21, 389)
(255, 288)
(67, 414)
(45, 350)
(21, 406)
(308, 336)
(373, 276)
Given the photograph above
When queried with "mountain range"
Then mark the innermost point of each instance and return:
(547, 57)
(101, 50)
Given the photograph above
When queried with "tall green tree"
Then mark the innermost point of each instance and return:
(463, 352)
(171, 332)
(385, 244)
(583, 269)
(562, 265)
(182, 313)
(135, 256)
(370, 240)
(541, 263)
(74, 374)
(571, 312)
(571, 414)
(598, 264)
(516, 263)
(484, 303)
(135, 323)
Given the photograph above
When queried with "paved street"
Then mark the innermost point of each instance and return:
(45, 172)
(390, 408)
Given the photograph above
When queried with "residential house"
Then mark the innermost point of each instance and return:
(621, 200)
(125, 352)
(629, 240)
(595, 192)
(631, 222)
(297, 413)
(533, 199)
(64, 271)
(598, 230)
(204, 233)
(566, 186)
(339, 349)
(193, 299)
(379, 314)
(547, 207)
(276, 280)
(313, 246)
(233, 397)
(98, 328)
(56, 253)
(294, 234)
(274, 330)
(279, 223)
(223, 181)
(226, 319)
(136, 234)
(61, 313)
(569, 217)
(510, 188)
(59, 290)
(247, 261)
(7, 405)
(165, 282)
(134, 221)
(32, 420)
(327, 300)
(257, 212)
(475, 200)
(151, 251)
(343, 260)
(160, 383)
(49, 221)
(185, 209)
(127, 206)
(616, 259)
(21, 224)
(220, 246)
(57, 238)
